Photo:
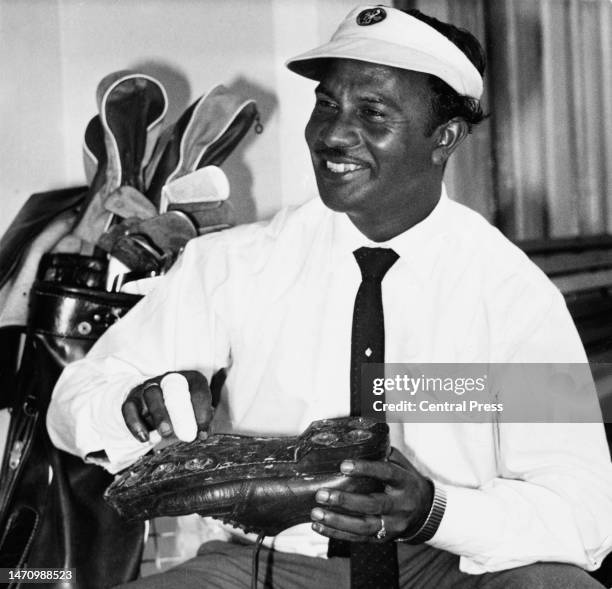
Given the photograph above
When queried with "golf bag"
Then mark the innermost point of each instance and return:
(52, 514)
(148, 193)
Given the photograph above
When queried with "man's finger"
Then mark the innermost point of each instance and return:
(387, 472)
(362, 527)
(133, 421)
(177, 399)
(336, 534)
(201, 398)
(154, 401)
(372, 504)
(397, 457)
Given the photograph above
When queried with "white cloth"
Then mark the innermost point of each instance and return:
(274, 302)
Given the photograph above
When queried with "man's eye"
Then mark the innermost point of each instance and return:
(372, 113)
(324, 104)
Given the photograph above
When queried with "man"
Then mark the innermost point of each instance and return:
(467, 505)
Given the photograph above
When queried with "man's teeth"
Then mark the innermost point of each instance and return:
(341, 168)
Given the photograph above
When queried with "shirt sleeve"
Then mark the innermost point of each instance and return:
(175, 327)
(552, 500)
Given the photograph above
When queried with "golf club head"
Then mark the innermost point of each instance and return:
(109, 238)
(131, 105)
(137, 254)
(126, 202)
(168, 232)
(211, 126)
(208, 184)
(153, 245)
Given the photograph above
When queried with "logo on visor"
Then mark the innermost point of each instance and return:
(371, 16)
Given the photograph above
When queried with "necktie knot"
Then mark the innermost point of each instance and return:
(374, 262)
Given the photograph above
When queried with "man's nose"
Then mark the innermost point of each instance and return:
(340, 131)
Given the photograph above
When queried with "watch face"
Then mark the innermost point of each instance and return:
(371, 16)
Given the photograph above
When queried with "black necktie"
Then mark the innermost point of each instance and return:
(373, 566)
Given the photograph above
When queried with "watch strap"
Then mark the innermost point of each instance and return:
(432, 522)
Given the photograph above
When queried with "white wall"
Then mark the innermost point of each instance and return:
(53, 53)
(31, 113)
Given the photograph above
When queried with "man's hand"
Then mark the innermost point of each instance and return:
(404, 504)
(176, 403)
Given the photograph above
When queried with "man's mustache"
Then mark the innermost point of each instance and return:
(338, 154)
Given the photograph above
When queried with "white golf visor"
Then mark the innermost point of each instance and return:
(387, 36)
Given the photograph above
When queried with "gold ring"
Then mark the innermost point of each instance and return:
(383, 531)
(150, 385)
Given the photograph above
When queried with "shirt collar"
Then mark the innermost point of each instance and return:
(409, 245)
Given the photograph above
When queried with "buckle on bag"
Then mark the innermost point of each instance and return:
(15, 455)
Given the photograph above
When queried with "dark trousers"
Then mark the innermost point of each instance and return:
(222, 565)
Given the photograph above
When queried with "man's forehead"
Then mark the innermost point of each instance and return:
(339, 73)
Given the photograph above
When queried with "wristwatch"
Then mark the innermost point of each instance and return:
(432, 521)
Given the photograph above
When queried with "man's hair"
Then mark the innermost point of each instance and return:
(446, 103)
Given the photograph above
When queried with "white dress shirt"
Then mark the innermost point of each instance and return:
(273, 303)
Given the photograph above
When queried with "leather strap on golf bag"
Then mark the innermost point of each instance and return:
(52, 512)
(10, 338)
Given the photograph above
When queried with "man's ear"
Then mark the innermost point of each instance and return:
(449, 137)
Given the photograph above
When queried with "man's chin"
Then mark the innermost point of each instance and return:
(341, 201)
(335, 204)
